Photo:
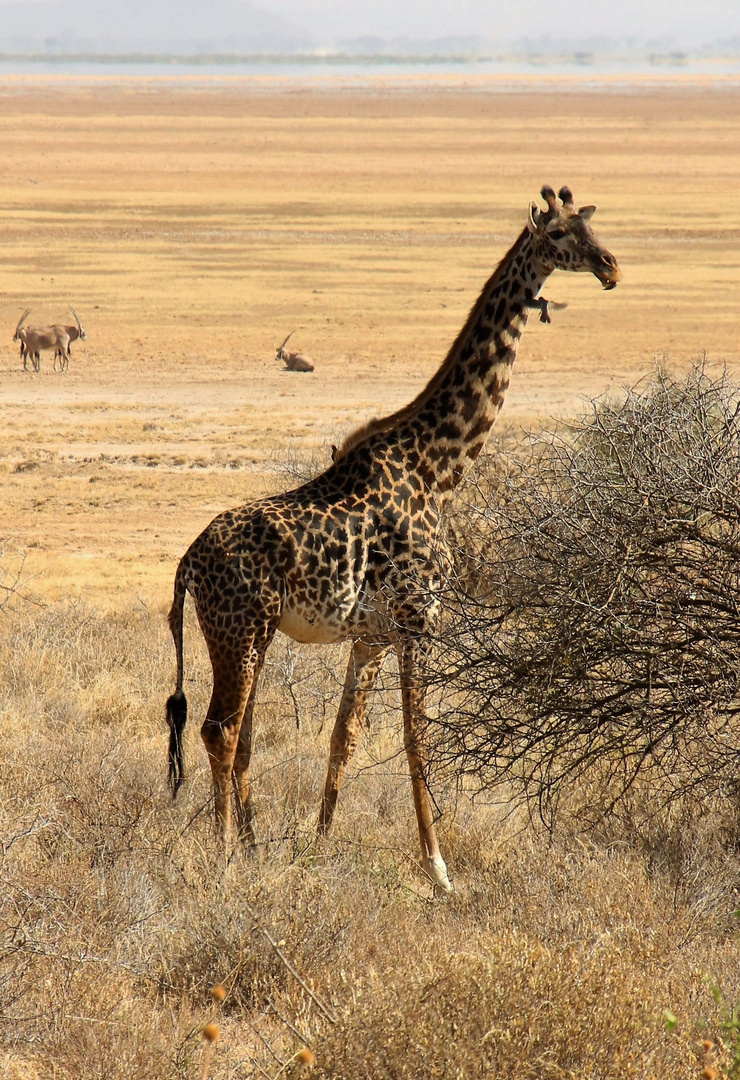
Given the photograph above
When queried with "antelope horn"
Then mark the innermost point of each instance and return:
(24, 316)
(77, 318)
(290, 335)
(566, 196)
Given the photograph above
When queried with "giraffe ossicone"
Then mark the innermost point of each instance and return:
(352, 553)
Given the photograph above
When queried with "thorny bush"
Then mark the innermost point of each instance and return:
(592, 628)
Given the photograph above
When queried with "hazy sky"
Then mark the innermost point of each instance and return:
(683, 21)
(706, 20)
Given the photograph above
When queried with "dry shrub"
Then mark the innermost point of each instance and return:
(594, 629)
(14, 584)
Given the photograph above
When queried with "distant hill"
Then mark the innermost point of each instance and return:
(186, 28)
(156, 26)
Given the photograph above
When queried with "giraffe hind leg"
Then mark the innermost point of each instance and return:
(240, 769)
(226, 737)
(220, 734)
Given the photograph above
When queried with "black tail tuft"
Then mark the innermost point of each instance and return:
(177, 715)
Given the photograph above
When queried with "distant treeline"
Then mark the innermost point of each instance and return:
(350, 58)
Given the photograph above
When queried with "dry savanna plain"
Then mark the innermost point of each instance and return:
(193, 225)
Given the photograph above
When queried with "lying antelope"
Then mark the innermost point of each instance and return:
(35, 339)
(294, 361)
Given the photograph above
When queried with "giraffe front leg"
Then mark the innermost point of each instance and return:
(410, 659)
(362, 671)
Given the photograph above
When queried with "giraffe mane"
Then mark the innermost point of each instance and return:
(384, 423)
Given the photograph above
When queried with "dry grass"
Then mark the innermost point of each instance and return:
(556, 957)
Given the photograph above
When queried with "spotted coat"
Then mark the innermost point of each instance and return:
(351, 553)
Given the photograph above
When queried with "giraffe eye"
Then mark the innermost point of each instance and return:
(556, 234)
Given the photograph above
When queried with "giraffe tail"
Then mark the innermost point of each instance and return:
(177, 706)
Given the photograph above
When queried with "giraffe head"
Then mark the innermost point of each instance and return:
(564, 239)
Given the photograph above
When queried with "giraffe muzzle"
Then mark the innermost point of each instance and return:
(608, 272)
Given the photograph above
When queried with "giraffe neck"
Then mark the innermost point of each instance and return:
(448, 424)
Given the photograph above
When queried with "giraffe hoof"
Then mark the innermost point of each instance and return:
(437, 871)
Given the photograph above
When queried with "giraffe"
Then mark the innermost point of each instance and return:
(351, 555)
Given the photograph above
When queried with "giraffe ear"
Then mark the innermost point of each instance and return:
(587, 212)
(534, 219)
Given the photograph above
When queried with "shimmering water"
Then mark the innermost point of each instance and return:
(582, 69)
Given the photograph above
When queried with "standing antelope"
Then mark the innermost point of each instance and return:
(18, 336)
(294, 361)
(73, 332)
(35, 339)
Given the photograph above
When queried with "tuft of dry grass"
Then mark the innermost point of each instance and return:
(509, 1006)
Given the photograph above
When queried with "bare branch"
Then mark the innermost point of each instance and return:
(593, 615)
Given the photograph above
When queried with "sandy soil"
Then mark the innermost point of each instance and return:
(193, 225)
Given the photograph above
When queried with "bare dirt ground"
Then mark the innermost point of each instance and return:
(192, 226)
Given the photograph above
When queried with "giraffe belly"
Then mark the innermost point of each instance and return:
(317, 628)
